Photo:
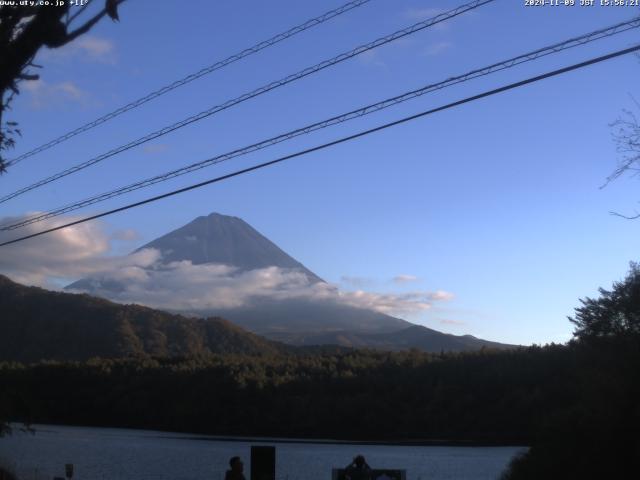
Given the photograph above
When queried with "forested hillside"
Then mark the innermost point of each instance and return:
(39, 324)
(493, 397)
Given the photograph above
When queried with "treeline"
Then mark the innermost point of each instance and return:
(485, 397)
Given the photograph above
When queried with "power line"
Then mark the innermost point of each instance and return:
(505, 64)
(259, 91)
(194, 76)
(488, 93)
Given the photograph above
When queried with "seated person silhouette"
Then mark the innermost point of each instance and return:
(358, 469)
(237, 467)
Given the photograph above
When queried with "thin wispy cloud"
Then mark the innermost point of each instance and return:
(355, 281)
(372, 58)
(418, 14)
(404, 278)
(127, 235)
(447, 321)
(381, 57)
(99, 49)
(441, 295)
(86, 48)
(45, 95)
(437, 48)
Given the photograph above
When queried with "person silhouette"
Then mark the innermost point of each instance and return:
(358, 469)
(237, 467)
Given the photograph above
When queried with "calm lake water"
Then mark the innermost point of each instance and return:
(120, 454)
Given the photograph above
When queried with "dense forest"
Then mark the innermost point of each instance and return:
(566, 401)
(357, 395)
(576, 404)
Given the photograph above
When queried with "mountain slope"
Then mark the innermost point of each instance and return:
(415, 336)
(216, 238)
(227, 240)
(223, 239)
(39, 324)
(269, 317)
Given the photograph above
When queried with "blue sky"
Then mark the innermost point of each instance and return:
(497, 202)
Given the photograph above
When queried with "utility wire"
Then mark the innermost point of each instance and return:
(505, 64)
(259, 91)
(194, 76)
(485, 94)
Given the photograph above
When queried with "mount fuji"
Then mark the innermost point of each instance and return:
(220, 265)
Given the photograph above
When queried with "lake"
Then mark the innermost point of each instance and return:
(122, 454)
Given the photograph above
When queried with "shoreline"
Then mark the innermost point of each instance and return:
(388, 443)
(422, 442)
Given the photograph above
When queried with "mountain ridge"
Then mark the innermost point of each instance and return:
(224, 239)
(413, 337)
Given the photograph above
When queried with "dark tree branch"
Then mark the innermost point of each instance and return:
(77, 14)
(111, 9)
(626, 136)
(24, 30)
(88, 25)
(28, 76)
(626, 217)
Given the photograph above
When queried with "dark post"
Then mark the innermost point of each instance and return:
(263, 463)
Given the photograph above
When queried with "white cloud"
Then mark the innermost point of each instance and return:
(87, 48)
(404, 278)
(45, 95)
(355, 281)
(441, 295)
(184, 286)
(84, 251)
(64, 254)
(392, 304)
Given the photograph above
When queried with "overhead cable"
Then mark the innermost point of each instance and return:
(247, 96)
(193, 76)
(366, 110)
(485, 94)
